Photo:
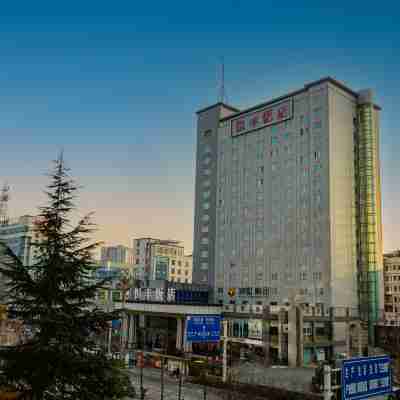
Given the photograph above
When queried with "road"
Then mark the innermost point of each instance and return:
(152, 382)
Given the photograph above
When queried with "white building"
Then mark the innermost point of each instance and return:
(157, 259)
(391, 273)
(287, 204)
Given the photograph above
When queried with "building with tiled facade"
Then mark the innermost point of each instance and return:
(157, 259)
(287, 204)
(391, 263)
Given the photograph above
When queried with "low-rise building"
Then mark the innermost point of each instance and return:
(391, 272)
(158, 259)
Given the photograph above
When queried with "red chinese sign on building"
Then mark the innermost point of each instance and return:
(270, 115)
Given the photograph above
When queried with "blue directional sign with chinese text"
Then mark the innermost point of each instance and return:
(203, 328)
(366, 377)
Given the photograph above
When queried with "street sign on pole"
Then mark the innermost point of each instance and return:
(366, 377)
(203, 328)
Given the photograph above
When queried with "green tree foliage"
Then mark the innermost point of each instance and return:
(56, 297)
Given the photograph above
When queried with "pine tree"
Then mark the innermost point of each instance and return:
(56, 297)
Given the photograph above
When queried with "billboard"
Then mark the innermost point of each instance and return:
(203, 328)
(366, 377)
(269, 115)
(161, 268)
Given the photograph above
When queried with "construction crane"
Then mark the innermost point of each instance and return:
(4, 197)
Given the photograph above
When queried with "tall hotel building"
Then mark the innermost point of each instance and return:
(288, 205)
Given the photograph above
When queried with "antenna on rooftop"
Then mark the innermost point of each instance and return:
(221, 83)
(4, 197)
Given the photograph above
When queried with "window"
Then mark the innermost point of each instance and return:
(186, 273)
(207, 149)
(274, 276)
(179, 271)
(205, 218)
(178, 280)
(204, 240)
(207, 183)
(204, 266)
(207, 160)
(173, 262)
(207, 133)
(186, 280)
(317, 155)
(206, 171)
(179, 263)
(206, 194)
(303, 276)
(206, 206)
(204, 229)
(204, 254)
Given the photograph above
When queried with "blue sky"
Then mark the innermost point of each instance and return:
(117, 85)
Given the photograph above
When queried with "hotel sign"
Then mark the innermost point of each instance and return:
(270, 115)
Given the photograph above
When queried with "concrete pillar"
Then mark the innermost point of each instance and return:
(292, 336)
(348, 339)
(281, 321)
(300, 336)
(187, 346)
(179, 333)
(265, 335)
(295, 337)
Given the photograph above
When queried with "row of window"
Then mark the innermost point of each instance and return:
(392, 278)
(392, 267)
(179, 272)
(179, 280)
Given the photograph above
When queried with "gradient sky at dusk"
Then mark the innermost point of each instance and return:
(117, 85)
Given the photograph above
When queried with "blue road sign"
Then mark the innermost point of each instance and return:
(203, 328)
(366, 377)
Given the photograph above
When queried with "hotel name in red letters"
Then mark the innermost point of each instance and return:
(270, 115)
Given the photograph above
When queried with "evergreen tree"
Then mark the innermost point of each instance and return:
(56, 297)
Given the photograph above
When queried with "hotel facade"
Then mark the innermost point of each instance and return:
(288, 204)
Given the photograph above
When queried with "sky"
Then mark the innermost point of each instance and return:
(117, 85)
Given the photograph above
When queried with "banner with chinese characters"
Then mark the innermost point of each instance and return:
(156, 295)
(366, 377)
(272, 114)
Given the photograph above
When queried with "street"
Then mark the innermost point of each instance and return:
(152, 382)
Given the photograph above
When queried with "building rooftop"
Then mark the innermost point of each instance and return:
(307, 86)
